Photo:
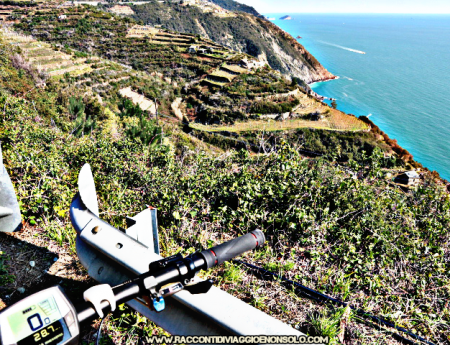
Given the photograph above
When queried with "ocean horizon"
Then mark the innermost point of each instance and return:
(394, 68)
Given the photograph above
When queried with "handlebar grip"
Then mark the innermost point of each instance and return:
(228, 250)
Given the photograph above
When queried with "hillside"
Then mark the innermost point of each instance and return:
(358, 239)
(319, 182)
(243, 33)
(211, 82)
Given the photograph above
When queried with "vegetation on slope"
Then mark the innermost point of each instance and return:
(96, 32)
(361, 240)
(243, 33)
(91, 31)
(242, 98)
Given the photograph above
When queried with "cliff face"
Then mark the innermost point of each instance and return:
(242, 32)
(232, 5)
(289, 56)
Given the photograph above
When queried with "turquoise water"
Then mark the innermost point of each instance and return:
(402, 80)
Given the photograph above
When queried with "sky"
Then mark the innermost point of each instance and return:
(349, 6)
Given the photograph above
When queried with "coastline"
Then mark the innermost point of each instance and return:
(315, 94)
(404, 154)
(396, 110)
(335, 77)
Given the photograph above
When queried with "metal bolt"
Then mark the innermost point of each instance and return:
(100, 270)
(119, 245)
(96, 230)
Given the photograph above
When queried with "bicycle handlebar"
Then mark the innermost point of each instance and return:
(228, 250)
(176, 271)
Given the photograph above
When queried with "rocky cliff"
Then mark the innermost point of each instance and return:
(290, 57)
(240, 31)
(232, 5)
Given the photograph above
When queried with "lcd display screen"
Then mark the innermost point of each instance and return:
(50, 335)
(39, 324)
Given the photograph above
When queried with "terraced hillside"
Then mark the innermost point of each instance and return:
(45, 58)
(86, 71)
(245, 95)
(96, 32)
(207, 76)
(225, 74)
(162, 36)
(249, 101)
(92, 76)
(245, 33)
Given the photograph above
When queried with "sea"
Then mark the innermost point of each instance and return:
(394, 68)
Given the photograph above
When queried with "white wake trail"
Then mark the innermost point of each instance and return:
(341, 47)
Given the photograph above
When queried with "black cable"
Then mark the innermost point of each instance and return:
(319, 297)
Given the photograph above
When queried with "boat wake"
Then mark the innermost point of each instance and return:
(341, 47)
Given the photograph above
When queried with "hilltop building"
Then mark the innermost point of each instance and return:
(252, 64)
(409, 178)
(193, 49)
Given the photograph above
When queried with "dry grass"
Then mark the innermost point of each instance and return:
(337, 122)
(215, 83)
(235, 68)
(223, 74)
(57, 70)
(341, 121)
(143, 102)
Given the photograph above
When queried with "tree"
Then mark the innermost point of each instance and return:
(149, 133)
(76, 107)
(83, 26)
(129, 109)
(83, 122)
(333, 104)
(93, 109)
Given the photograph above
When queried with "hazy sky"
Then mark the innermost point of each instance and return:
(349, 6)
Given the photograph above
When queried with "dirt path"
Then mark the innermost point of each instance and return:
(143, 102)
(33, 262)
(176, 108)
(30, 262)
